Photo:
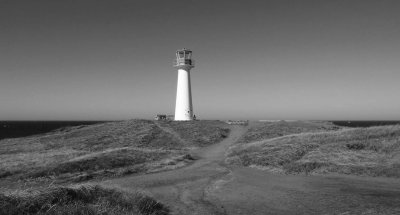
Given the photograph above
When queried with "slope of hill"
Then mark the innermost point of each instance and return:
(265, 130)
(373, 151)
(107, 149)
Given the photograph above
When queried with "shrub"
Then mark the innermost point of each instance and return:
(355, 146)
(84, 199)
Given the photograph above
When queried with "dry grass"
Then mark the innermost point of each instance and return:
(83, 199)
(266, 130)
(373, 151)
(106, 149)
(193, 132)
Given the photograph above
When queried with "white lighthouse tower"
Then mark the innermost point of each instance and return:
(184, 106)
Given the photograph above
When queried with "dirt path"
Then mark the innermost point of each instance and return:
(209, 186)
(185, 189)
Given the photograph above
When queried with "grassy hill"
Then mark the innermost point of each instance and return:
(266, 130)
(373, 151)
(107, 149)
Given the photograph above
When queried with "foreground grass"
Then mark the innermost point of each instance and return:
(107, 149)
(373, 151)
(83, 200)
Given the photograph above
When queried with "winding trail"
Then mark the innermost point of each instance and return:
(185, 190)
(209, 186)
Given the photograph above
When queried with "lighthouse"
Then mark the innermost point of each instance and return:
(183, 105)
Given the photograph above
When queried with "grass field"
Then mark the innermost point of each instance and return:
(265, 130)
(109, 149)
(41, 174)
(373, 151)
(83, 200)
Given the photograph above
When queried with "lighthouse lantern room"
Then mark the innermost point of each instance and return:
(184, 58)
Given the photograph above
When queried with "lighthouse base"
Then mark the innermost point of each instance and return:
(183, 106)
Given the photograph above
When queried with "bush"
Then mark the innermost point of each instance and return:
(355, 146)
(85, 200)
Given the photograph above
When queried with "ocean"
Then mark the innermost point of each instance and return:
(13, 129)
(365, 123)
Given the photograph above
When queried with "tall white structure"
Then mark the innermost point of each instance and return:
(183, 105)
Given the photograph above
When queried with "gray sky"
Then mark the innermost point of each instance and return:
(97, 60)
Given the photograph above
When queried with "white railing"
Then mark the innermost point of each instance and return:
(182, 62)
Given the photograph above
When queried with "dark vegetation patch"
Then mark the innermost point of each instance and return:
(355, 146)
(84, 200)
(373, 151)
